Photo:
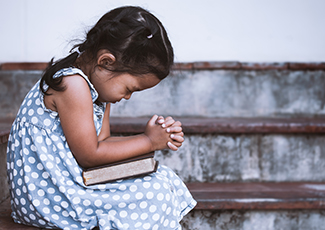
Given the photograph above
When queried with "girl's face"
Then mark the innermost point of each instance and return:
(113, 88)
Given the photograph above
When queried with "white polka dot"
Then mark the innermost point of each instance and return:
(112, 212)
(107, 206)
(116, 197)
(45, 175)
(134, 216)
(19, 163)
(138, 224)
(139, 195)
(152, 208)
(98, 203)
(30, 112)
(143, 204)
(102, 186)
(71, 191)
(55, 217)
(183, 204)
(29, 102)
(123, 214)
(164, 207)
(156, 217)
(76, 200)
(133, 188)
(49, 165)
(177, 182)
(122, 205)
(22, 201)
(132, 206)
(40, 111)
(40, 192)
(26, 151)
(48, 141)
(86, 202)
(144, 216)
(146, 226)
(34, 120)
(60, 146)
(89, 211)
(156, 186)
(32, 217)
(31, 160)
(26, 178)
(160, 196)
(180, 192)
(64, 204)
(57, 198)
(34, 175)
(24, 110)
(166, 222)
(47, 122)
(126, 196)
(150, 195)
(31, 187)
(57, 208)
(46, 201)
(46, 210)
(169, 209)
(147, 178)
(122, 187)
(146, 185)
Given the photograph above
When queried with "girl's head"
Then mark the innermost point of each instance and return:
(136, 39)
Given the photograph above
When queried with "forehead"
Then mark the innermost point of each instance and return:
(143, 81)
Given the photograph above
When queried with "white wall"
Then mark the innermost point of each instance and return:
(205, 30)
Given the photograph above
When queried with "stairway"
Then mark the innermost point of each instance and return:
(254, 149)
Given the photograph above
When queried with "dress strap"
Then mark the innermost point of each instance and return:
(73, 71)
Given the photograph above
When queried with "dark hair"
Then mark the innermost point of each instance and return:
(133, 35)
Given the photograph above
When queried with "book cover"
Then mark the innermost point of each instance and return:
(132, 167)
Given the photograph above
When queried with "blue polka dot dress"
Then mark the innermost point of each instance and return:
(47, 188)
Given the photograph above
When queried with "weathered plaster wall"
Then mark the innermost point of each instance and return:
(255, 220)
(225, 158)
(215, 93)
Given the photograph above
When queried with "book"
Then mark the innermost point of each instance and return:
(136, 166)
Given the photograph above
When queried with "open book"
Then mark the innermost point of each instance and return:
(132, 167)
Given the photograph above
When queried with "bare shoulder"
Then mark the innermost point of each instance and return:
(76, 90)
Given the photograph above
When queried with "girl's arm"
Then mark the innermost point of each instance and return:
(75, 109)
(105, 131)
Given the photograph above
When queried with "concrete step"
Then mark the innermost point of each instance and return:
(234, 196)
(241, 149)
(204, 92)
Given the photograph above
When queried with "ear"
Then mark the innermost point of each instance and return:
(106, 59)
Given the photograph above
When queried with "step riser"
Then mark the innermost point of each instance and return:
(215, 93)
(4, 190)
(255, 220)
(226, 158)
(222, 93)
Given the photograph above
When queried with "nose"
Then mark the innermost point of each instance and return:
(128, 96)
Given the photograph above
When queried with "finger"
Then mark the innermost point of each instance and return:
(160, 120)
(171, 146)
(174, 129)
(177, 144)
(177, 138)
(153, 120)
(168, 122)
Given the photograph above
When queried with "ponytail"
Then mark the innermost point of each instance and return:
(55, 83)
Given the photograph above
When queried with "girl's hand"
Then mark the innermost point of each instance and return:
(175, 129)
(157, 134)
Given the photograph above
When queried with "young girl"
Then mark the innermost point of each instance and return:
(63, 126)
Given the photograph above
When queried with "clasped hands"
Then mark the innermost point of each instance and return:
(165, 133)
